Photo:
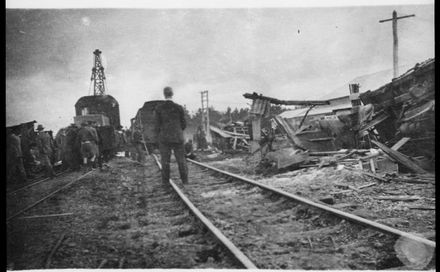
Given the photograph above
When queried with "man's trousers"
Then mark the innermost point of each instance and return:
(179, 154)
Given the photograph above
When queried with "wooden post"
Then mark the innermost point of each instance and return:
(256, 133)
(234, 146)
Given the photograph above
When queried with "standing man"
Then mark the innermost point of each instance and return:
(15, 156)
(72, 148)
(88, 140)
(139, 144)
(170, 123)
(45, 148)
(189, 152)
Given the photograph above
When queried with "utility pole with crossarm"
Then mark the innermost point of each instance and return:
(395, 41)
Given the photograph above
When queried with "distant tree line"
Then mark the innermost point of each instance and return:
(217, 117)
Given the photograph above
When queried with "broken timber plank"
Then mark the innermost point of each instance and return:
(289, 132)
(400, 143)
(368, 174)
(45, 215)
(275, 101)
(400, 158)
(398, 198)
(54, 249)
(121, 262)
(103, 262)
(422, 208)
(366, 185)
(345, 205)
(343, 151)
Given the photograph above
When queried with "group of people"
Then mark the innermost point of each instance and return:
(84, 147)
(89, 145)
(40, 154)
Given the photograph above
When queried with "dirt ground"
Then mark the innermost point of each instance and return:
(122, 215)
(327, 182)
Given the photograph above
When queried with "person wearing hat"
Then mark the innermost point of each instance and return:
(170, 123)
(45, 148)
(88, 140)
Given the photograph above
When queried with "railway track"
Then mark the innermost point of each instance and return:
(123, 218)
(34, 182)
(135, 221)
(277, 230)
(21, 200)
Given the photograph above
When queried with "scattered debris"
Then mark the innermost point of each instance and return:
(398, 198)
(45, 216)
(404, 160)
(328, 200)
(422, 208)
(54, 249)
(103, 262)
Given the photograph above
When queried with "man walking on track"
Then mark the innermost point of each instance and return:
(170, 123)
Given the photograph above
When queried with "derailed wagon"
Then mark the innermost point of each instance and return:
(145, 120)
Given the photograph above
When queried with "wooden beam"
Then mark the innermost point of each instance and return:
(103, 262)
(256, 129)
(400, 158)
(291, 135)
(400, 143)
(275, 101)
(44, 216)
(54, 249)
(398, 198)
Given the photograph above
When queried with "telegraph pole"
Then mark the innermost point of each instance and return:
(205, 116)
(395, 41)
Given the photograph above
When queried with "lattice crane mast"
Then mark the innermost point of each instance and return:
(98, 76)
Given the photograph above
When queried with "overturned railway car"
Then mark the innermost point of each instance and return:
(145, 120)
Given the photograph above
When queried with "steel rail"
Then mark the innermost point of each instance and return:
(238, 254)
(35, 183)
(47, 196)
(345, 215)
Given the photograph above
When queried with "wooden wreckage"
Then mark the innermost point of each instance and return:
(232, 136)
(397, 119)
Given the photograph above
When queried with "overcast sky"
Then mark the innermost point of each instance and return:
(288, 53)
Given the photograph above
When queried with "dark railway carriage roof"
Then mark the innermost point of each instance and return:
(152, 103)
(87, 100)
(22, 124)
(149, 105)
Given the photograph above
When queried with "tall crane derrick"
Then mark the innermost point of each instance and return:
(100, 107)
(98, 76)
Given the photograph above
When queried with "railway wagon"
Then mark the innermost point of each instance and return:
(103, 109)
(145, 119)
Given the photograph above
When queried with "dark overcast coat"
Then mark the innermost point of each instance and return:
(170, 122)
